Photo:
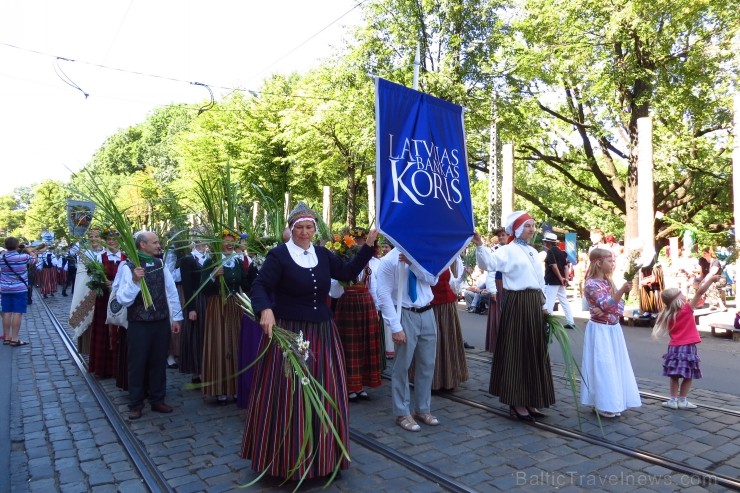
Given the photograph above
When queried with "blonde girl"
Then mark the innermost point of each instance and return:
(682, 360)
(608, 383)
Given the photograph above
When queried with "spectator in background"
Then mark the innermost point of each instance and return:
(557, 272)
(14, 268)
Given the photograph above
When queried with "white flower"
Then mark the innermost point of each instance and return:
(305, 381)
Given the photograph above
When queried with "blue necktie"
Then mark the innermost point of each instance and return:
(412, 286)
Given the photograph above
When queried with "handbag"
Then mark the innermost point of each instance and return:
(117, 313)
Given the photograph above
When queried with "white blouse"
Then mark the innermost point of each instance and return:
(519, 265)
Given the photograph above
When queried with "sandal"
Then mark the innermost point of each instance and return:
(427, 419)
(6, 342)
(407, 423)
(18, 343)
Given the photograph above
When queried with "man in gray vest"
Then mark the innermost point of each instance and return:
(148, 328)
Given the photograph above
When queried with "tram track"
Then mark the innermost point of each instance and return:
(707, 476)
(643, 394)
(151, 475)
(156, 482)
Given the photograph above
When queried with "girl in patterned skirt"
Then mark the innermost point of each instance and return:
(681, 361)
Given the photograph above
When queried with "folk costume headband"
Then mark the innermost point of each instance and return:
(515, 223)
(301, 212)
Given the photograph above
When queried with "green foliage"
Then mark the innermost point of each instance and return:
(47, 211)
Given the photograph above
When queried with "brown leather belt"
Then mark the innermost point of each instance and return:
(418, 310)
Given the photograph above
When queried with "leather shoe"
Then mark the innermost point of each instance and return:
(134, 414)
(161, 407)
(467, 346)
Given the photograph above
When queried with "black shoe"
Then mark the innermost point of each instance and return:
(363, 395)
(467, 346)
(173, 366)
(569, 326)
(536, 414)
(471, 309)
(352, 397)
(64, 293)
(524, 417)
(196, 380)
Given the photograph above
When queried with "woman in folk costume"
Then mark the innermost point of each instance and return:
(290, 291)
(60, 267)
(223, 276)
(83, 298)
(194, 311)
(520, 376)
(451, 367)
(48, 274)
(357, 322)
(495, 286)
(104, 338)
(249, 335)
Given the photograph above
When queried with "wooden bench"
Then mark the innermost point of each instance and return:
(721, 320)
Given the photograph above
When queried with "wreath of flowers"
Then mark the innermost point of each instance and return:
(109, 231)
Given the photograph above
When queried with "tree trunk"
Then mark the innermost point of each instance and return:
(351, 196)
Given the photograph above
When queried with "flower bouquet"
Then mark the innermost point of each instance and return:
(96, 272)
(345, 246)
(633, 267)
(296, 353)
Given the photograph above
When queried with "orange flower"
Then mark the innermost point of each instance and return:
(349, 241)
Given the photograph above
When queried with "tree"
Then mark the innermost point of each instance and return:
(48, 211)
(12, 215)
(587, 72)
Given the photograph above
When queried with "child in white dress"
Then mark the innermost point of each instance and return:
(608, 380)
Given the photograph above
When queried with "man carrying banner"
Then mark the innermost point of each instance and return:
(414, 335)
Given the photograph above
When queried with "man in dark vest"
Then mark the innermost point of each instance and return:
(148, 328)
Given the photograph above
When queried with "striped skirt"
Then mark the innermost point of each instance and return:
(47, 279)
(494, 317)
(275, 427)
(682, 361)
(61, 277)
(451, 366)
(521, 374)
(220, 343)
(357, 323)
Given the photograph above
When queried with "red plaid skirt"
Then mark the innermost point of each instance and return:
(357, 322)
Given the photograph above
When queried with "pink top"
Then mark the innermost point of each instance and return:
(684, 331)
(598, 293)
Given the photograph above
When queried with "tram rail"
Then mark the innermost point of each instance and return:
(154, 480)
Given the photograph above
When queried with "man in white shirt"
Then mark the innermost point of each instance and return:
(148, 327)
(414, 334)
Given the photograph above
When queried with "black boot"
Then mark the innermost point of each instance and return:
(64, 292)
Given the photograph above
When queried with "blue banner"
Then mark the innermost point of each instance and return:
(570, 247)
(423, 193)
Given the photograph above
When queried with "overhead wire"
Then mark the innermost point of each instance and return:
(71, 83)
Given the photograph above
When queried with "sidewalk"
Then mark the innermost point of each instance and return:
(59, 437)
(61, 441)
